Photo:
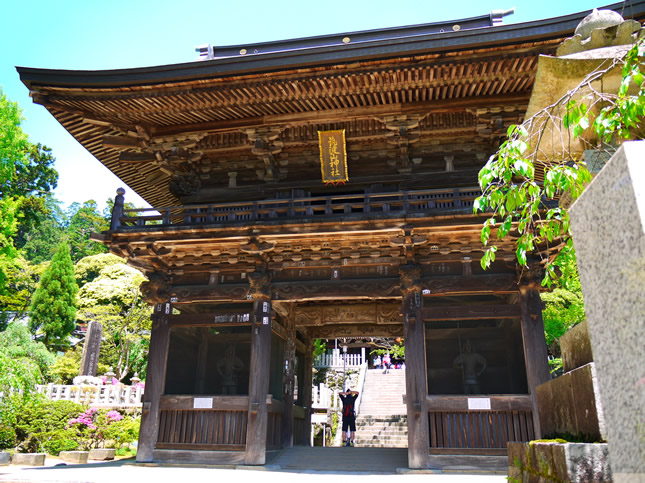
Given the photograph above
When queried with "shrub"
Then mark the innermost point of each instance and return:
(96, 428)
(44, 421)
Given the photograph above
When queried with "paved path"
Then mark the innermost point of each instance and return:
(318, 464)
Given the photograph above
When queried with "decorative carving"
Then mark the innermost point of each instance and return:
(266, 146)
(530, 276)
(259, 284)
(157, 289)
(346, 289)
(410, 278)
(185, 184)
(257, 247)
(401, 135)
(355, 330)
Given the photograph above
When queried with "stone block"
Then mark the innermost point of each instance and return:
(576, 347)
(608, 227)
(587, 462)
(28, 459)
(79, 457)
(570, 405)
(5, 458)
(547, 462)
(516, 458)
(102, 454)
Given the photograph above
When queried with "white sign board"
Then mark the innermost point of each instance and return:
(203, 403)
(319, 418)
(479, 403)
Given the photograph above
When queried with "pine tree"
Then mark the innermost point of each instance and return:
(53, 307)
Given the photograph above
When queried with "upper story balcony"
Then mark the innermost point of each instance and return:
(311, 209)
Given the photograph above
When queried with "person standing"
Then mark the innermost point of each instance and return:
(348, 399)
(377, 362)
(386, 363)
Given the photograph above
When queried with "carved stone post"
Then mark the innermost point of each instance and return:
(91, 348)
(155, 381)
(288, 378)
(535, 351)
(416, 381)
(117, 209)
(256, 431)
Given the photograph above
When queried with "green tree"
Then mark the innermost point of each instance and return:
(13, 141)
(53, 307)
(84, 220)
(17, 343)
(110, 294)
(8, 227)
(39, 239)
(21, 284)
(522, 206)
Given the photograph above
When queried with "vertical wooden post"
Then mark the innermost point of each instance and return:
(288, 378)
(155, 381)
(535, 352)
(307, 385)
(416, 381)
(256, 430)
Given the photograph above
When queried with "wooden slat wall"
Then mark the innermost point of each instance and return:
(207, 429)
(274, 430)
(479, 429)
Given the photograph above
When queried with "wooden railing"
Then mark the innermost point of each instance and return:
(454, 426)
(222, 427)
(401, 202)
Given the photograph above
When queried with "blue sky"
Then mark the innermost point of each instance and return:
(96, 35)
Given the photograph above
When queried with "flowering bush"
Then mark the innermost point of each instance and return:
(99, 428)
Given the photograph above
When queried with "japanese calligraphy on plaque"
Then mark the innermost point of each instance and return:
(333, 156)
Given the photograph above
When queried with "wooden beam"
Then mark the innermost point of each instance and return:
(355, 289)
(497, 403)
(466, 312)
(225, 318)
(155, 382)
(332, 115)
(330, 331)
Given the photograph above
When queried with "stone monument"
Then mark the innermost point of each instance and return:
(608, 226)
(91, 347)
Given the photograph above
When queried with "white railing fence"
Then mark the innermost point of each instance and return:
(338, 360)
(323, 397)
(359, 386)
(114, 396)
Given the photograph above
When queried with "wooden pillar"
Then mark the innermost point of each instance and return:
(288, 378)
(155, 381)
(256, 431)
(416, 380)
(535, 351)
(307, 385)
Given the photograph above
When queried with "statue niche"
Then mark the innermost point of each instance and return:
(471, 365)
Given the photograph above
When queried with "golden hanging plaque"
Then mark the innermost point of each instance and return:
(333, 156)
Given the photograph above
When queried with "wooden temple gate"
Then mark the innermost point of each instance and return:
(261, 240)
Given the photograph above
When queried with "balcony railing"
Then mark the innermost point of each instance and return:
(304, 208)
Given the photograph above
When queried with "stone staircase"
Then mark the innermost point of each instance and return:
(382, 418)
